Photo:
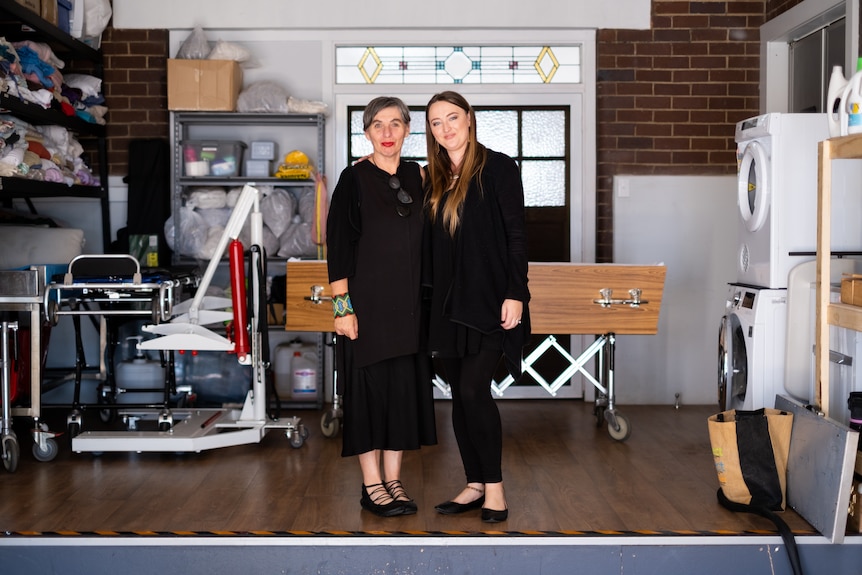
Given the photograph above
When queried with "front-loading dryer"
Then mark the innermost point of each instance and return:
(751, 348)
(777, 194)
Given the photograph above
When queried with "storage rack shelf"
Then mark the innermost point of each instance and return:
(226, 126)
(37, 115)
(292, 131)
(17, 22)
(827, 313)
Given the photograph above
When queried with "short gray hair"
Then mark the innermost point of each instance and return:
(381, 103)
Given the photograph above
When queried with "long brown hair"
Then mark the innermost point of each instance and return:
(440, 166)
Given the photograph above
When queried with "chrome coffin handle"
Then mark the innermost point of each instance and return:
(316, 296)
(607, 301)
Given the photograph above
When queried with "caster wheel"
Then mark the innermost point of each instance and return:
(51, 312)
(599, 412)
(11, 453)
(296, 440)
(107, 399)
(74, 429)
(624, 431)
(108, 415)
(47, 454)
(164, 426)
(105, 415)
(329, 425)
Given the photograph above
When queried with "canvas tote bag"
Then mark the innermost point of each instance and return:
(750, 449)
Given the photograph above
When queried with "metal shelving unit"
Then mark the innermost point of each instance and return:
(289, 131)
(19, 23)
(295, 131)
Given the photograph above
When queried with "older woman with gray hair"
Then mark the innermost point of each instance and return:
(374, 237)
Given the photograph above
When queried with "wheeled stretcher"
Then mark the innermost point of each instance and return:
(114, 289)
(604, 300)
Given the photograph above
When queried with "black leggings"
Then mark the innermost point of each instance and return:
(475, 417)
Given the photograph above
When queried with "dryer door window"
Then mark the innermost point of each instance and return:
(753, 186)
(738, 377)
(723, 364)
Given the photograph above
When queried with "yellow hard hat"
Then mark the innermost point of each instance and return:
(295, 157)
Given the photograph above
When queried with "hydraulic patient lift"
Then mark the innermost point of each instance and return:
(201, 429)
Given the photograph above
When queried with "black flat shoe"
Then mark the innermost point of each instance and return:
(494, 516)
(396, 490)
(379, 493)
(452, 508)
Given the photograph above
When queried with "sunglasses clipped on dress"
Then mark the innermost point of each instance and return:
(404, 198)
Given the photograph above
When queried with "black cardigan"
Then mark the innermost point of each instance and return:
(490, 257)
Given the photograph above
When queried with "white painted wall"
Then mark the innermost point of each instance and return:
(387, 14)
(302, 61)
(689, 223)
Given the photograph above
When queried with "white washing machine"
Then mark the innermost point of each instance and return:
(751, 348)
(777, 194)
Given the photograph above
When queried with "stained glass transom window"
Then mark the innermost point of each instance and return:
(458, 64)
(535, 137)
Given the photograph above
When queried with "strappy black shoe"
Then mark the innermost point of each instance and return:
(371, 501)
(396, 490)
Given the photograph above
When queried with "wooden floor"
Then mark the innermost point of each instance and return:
(562, 474)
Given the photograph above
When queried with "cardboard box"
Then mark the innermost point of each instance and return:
(851, 289)
(275, 314)
(34, 5)
(205, 85)
(50, 12)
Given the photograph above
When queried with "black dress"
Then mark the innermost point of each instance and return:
(383, 375)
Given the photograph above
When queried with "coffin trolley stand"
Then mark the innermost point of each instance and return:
(185, 330)
(566, 299)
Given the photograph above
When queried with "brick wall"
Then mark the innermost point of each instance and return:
(135, 90)
(776, 7)
(667, 98)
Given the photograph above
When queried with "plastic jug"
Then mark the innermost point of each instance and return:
(304, 376)
(850, 117)
(283, 368)
(837, 84)
(139, 373)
